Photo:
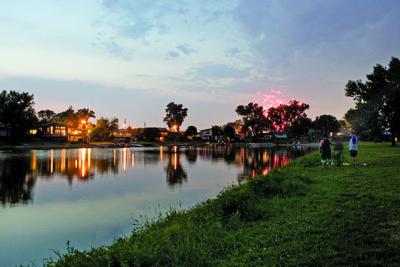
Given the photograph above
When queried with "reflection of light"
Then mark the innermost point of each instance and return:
(51, 160)
(76, 163)
(115, 155)
(63, 155)
(33, 161)
(83, 159)
(285, 160)
(124, 158)
(265, 157)
(161, 153)
(133, 158)
(175, 161)
(276, 161)
(89, 157)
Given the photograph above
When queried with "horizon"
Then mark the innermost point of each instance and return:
(129, 59)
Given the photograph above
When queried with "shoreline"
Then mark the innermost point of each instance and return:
(297, 215)
(48, 146)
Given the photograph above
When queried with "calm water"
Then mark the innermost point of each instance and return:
(90, 196)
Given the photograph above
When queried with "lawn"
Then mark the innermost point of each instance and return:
(300, 215)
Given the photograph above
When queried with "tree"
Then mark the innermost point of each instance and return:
(175, 115)
(46, 115)
(288, 117)
(229, 132)
(357, 118)
(104, 128)
(75, 120)
(216, 131)
(300, 127)
(253, 117)
(326, 123)
(16, 111)
(380, 96)
(191, 131)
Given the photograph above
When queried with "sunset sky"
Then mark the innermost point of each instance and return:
(129, 58)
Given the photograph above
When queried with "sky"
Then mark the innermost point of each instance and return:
(130, 58)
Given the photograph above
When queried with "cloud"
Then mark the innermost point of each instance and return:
(215, 71)
(283, 33)
(173, 54)
(185, 49)
(234, 51)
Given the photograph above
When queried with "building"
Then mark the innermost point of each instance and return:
(280, 135)
(5, 131)
(54, 131)
(151, 134)
(122, 135)
(206, 134)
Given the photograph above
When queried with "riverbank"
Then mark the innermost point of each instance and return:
(66, 145)
(299, 215)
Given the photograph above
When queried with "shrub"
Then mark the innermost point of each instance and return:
(240, 201)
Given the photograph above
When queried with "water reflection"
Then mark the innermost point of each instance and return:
(19, 171)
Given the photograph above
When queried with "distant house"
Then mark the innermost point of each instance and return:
(157, 134)
(162, 134)
(54, 131)
(206, 134)
(5, 131)
(280, 135)
(122, 135)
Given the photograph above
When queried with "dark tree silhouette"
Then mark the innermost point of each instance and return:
(16, 111)
(326, 123)
(380, 96)
(175, 115)
(253, 117)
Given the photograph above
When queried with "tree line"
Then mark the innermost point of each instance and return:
(377, 102)
(377, 109)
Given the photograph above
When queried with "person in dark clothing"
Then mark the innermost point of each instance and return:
(338, 151)
(325, 150)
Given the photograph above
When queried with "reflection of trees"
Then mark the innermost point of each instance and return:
(16, 180)
(174, 170)
(191, 155)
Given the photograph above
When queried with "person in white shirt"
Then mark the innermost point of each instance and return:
(353, 147)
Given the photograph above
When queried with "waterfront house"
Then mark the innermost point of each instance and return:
(122, 135)
(280, 135)
(54, 131)
(151, 134)
(5, 131)
(206, 134)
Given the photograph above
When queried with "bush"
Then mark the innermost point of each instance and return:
(240, 201)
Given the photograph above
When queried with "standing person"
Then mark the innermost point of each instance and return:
(353, 147)
(338, 150)
(325, 150)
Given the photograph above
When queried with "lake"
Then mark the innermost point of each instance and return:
(90, 196)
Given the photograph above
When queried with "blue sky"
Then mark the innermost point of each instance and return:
(128, 58)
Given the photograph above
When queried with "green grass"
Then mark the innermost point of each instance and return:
(299, 215)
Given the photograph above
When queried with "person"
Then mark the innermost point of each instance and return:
(338, 150)
(325, 150)
(353, 147)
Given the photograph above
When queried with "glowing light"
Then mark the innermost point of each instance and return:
(83, 121)
(273, 98)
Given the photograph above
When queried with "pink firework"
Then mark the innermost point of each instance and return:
(272, 99)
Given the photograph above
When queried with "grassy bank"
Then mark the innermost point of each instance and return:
(300, 215)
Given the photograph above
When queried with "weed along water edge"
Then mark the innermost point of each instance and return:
(299, 215)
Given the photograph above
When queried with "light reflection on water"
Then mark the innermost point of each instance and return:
(89, 195)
